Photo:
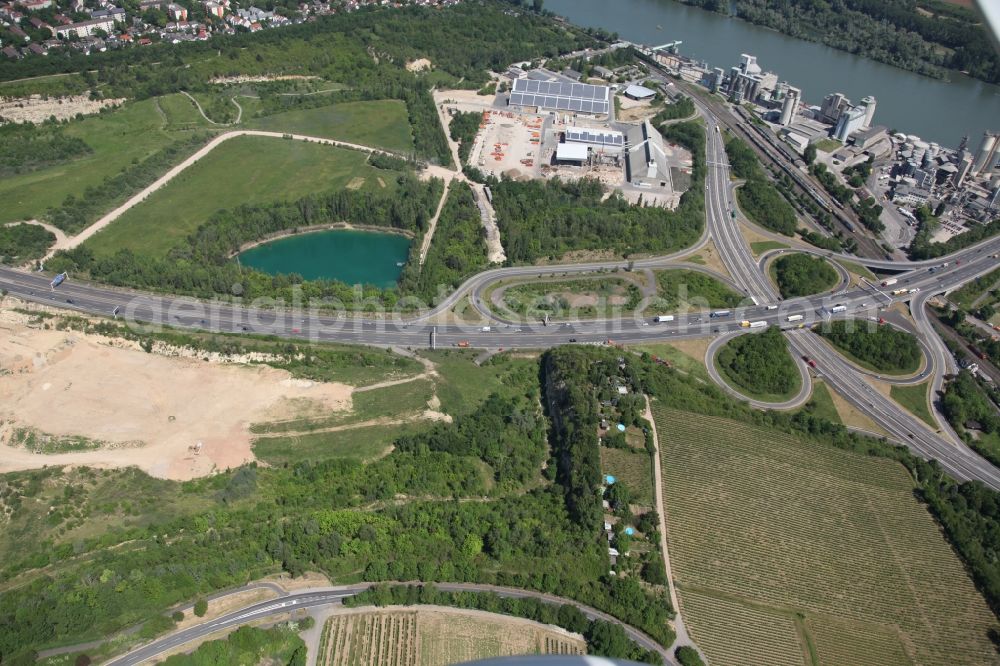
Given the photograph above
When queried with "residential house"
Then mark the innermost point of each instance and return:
(177, 12)
(86, 28)
(11, 52)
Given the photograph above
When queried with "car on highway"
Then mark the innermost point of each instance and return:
(572, 339)
(70, 301)
(811, 363)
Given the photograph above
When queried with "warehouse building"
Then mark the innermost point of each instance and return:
(637, 92)
(561, 96)
(606, 140)
(572, 153)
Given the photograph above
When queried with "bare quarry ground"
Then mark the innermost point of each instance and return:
(418, 65)
(67, 383)
(37, 109)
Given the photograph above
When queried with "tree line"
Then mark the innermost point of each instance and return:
(24, 242)
(758, 198)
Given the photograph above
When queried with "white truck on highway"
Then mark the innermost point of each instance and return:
(889, 282)
(758, 324)
(838, 308)
(793, 318)
(663, 318)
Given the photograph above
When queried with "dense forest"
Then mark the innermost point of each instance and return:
(463, 128)
(546, 219)
(758, 197)
(925, 36)
(760, 364)
(604, 639)
(803, 275)
(457, 251)
(965, 404)
(24, 242)
(884, 348)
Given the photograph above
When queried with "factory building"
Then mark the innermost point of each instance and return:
(790, 108)
(987, 156)
(646, 163)
(605, 140)
(849, 122)
(868, 104)
(638, 92)
(833, 106)
(572, 153)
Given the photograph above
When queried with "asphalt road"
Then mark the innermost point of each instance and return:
(334, 595)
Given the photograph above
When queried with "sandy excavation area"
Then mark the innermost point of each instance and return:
(37, 109)
(67, 383)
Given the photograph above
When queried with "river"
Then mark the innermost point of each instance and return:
(935, 110)
(354, 257)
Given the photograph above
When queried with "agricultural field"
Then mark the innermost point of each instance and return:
(132, 132)
(380, 123)
(788, 549)
(242, 170)
(435, 637)
(634, 468)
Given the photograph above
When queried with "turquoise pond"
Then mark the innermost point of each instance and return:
(354, 257)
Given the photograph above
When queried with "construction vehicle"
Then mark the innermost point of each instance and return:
(745, 323)
(899, 292)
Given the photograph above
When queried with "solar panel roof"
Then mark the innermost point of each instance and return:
(604, 138)
(580, 97)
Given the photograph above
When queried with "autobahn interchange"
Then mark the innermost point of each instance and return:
(723, 219)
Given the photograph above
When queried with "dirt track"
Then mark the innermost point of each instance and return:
(66, 383)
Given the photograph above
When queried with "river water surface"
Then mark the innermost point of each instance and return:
(935, 110)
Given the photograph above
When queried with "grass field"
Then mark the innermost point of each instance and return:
(180, 112)
(427, 637)
(388, 401)
(132, 132)
(380, 123)
(462, 385)
(242, 170)
(821, 403)
(859, 270)
(362, 444)
(828, 145)
(678, 359)
(784, 549)
(760, 247)
(585, 297)
(634, 468)
(914, 399)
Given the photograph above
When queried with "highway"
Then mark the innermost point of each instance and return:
(335, 595)
(406, 329)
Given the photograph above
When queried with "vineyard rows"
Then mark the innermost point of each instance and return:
(428, 637)
(846, 642)
(760, 515)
